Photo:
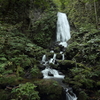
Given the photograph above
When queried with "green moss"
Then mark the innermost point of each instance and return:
(82, 96)
(65, 64)
(98, 83)
(44, 29)
(50, 88)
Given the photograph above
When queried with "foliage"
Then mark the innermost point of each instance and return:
(44, 4)
(85, 46)
(82, 96)
(44, 29)
(4, 94)
(35, 72)
(82, 77)
(17, 53)
(14, 11)
(25, 92)
(4, 79)
(80, 12)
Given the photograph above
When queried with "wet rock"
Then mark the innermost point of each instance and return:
(59, 56)
(50, 74)
(41, 66)
(60, 73)
(57, 49)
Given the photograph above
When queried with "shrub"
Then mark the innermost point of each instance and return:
(25, 92)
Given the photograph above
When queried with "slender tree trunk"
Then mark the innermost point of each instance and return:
(96, 18)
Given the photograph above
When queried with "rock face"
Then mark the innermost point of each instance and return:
(49, 90)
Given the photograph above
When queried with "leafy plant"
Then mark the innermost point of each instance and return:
(35, 72)
(25, 92)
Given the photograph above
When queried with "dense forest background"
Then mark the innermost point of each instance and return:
(28, 30)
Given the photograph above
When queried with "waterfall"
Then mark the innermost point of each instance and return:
(63, 35)
(63, 57)
(63, 29)
(44, 62)
(52, 60)
(70, 95)
(44, 58)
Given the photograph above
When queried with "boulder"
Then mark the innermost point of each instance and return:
(50, 74)
(49, 89)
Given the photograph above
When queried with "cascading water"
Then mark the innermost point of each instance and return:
(70, 96)
(44, 62)
(44, 58)
(63, 56)
(63, 35)
(52, 60)
(49, 72)
(63, 29)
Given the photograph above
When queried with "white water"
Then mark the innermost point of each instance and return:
(52, 60)
(52, 71)
(63, 29)
(63, 35)
(48, 70)
(63, 57)
(70, 96)
(44, 62)
(52, 51)
(44, 58)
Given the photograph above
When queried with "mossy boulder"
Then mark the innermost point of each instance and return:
(82, 96)
(98, 84)
(49, 89)
(66, 64)
(59, 56)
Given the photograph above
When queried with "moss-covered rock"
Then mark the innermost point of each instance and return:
(98, 83)
(68, 64)
(49, 90)
(82, 96)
